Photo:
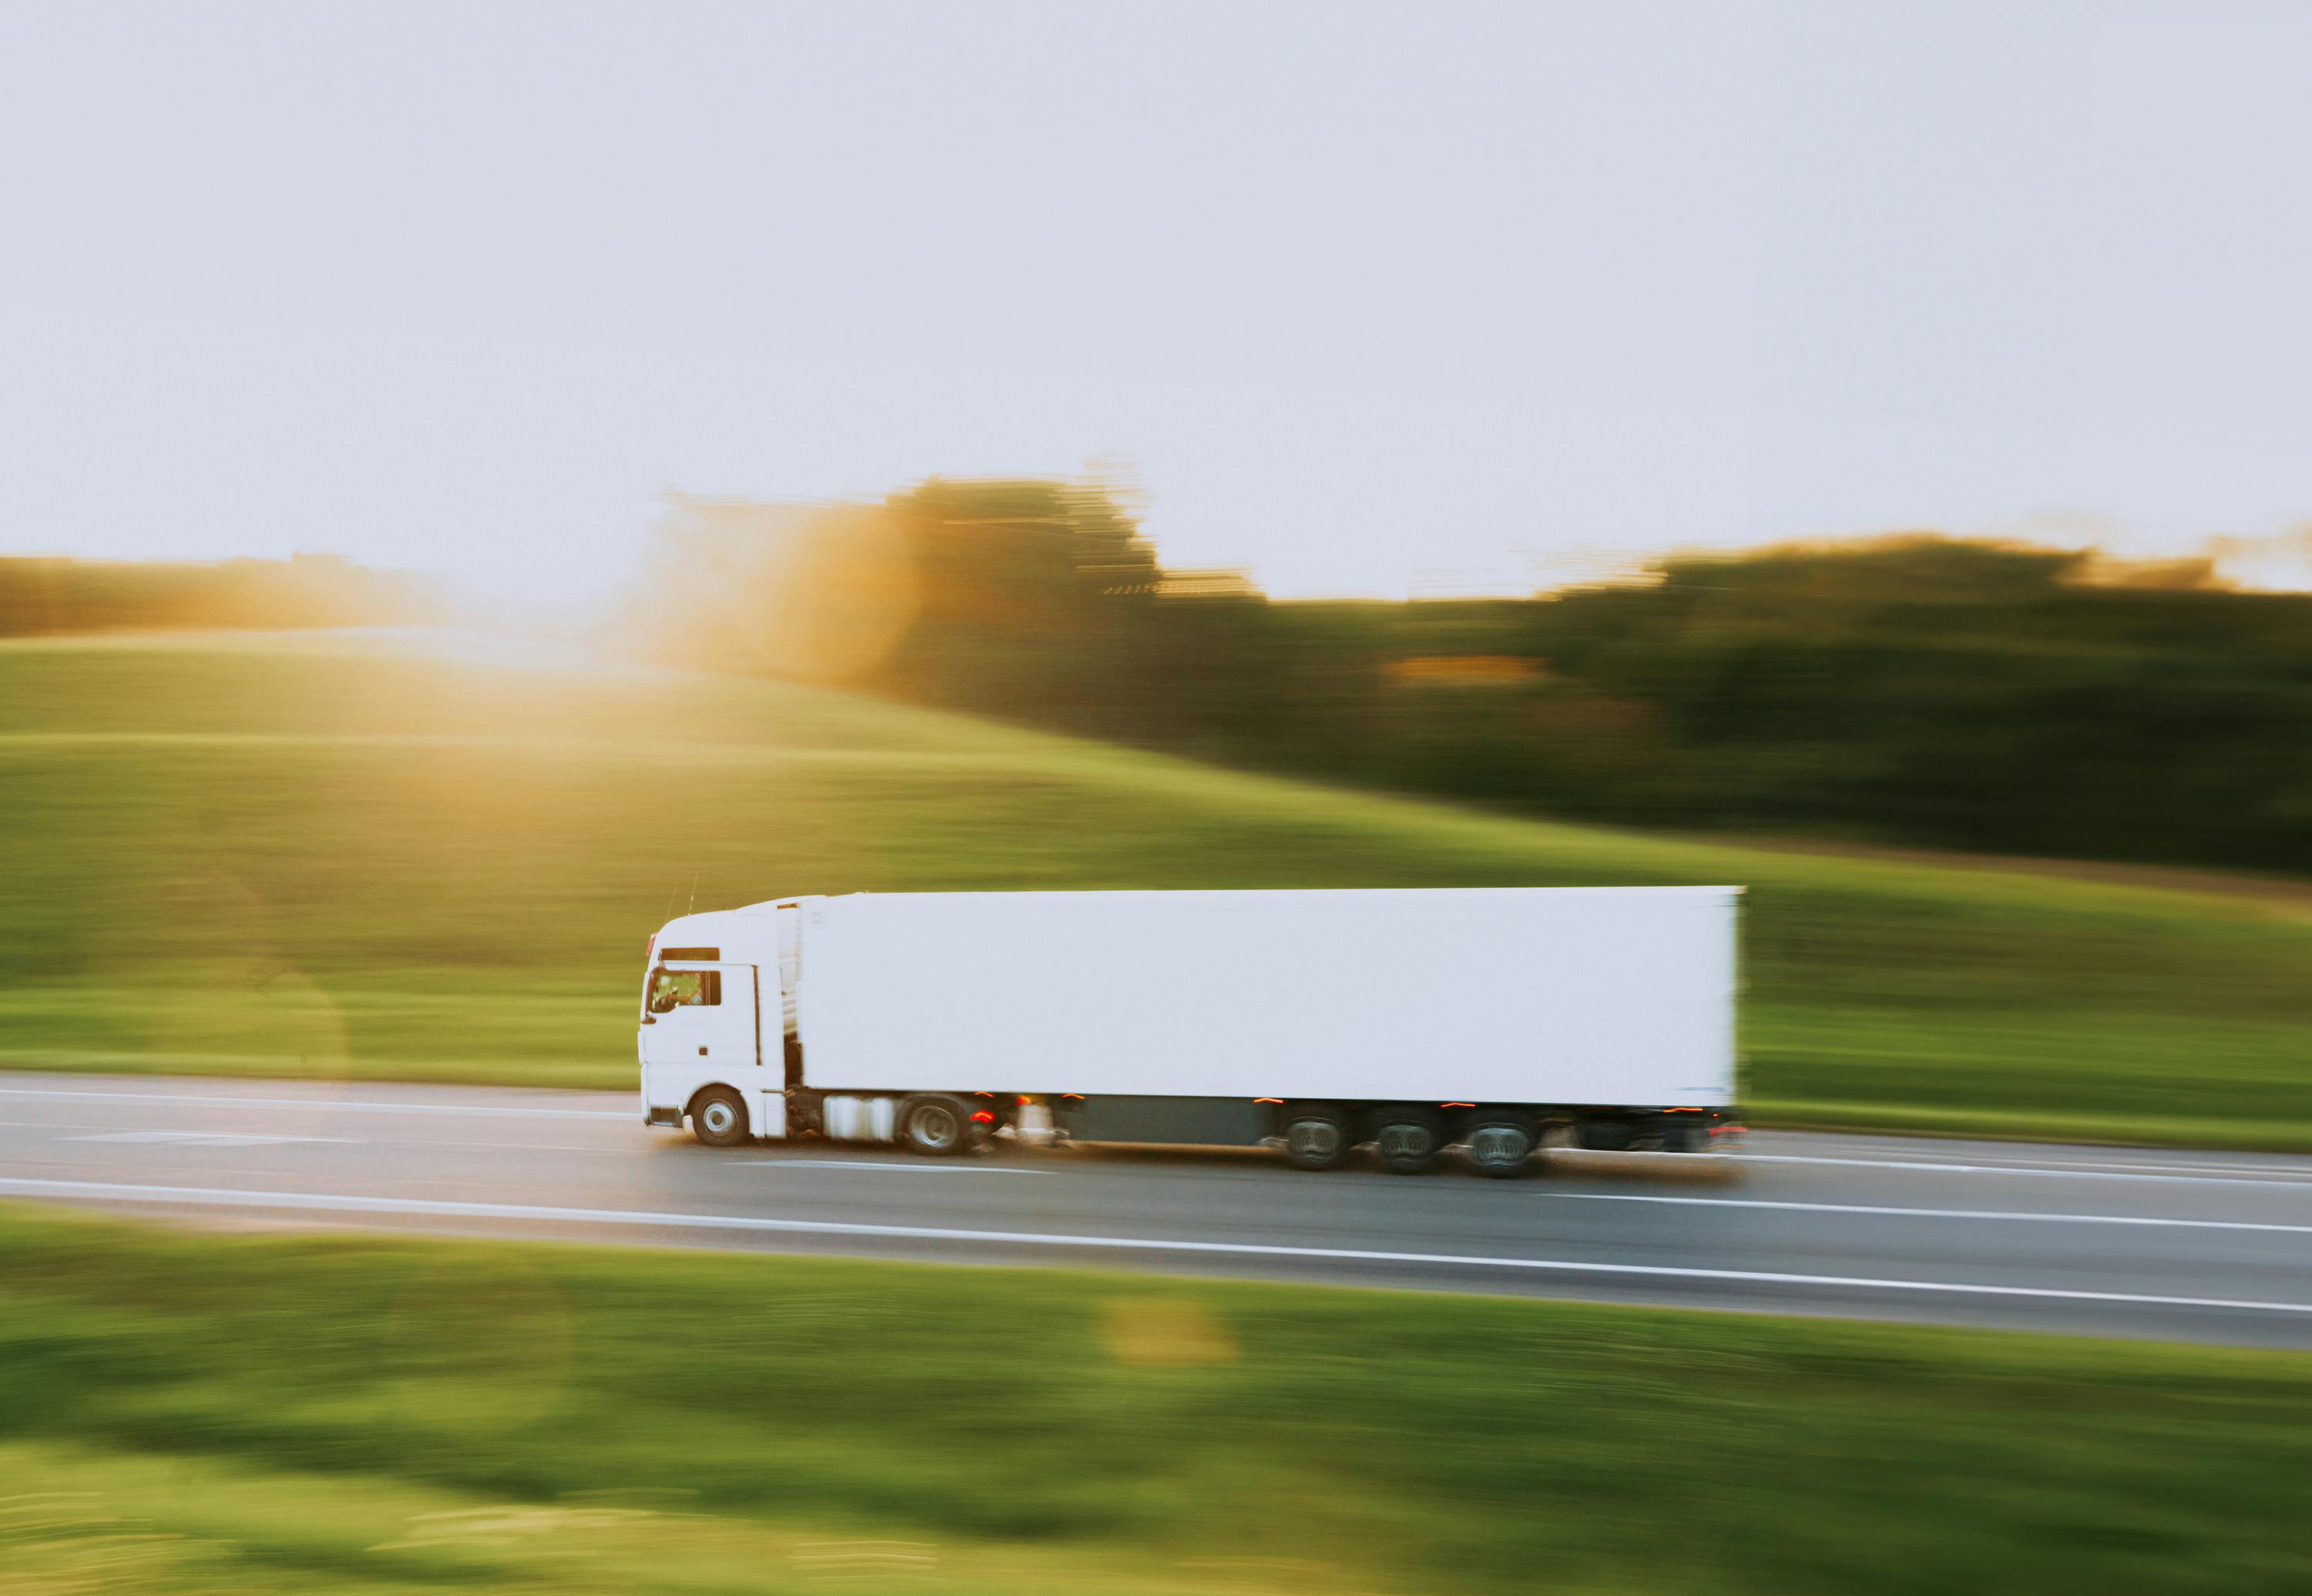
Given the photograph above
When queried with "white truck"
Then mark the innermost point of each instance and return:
(1497, 1019)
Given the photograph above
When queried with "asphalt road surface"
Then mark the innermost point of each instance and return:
(2096, 1240)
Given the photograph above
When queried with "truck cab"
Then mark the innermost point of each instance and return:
(711, 1031)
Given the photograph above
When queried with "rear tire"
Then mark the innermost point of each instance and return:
(1408, 1141)
(1499, 1148)
(1316, 1137)
(718, 1117)
(935, 1127)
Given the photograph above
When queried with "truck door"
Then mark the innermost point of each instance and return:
(704, 1021)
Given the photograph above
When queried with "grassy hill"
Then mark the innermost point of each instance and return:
(354, 857)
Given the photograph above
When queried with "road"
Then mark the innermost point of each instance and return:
(2107, 1241)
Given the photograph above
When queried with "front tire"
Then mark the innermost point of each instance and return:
(935, 1127)
(718, 1117)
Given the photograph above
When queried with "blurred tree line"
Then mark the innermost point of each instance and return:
(1918, 690)
(42, 595)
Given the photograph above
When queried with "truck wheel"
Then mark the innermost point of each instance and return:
(935, 1127)
(1499, 1148)
(1316, 1138)
(718, 1117)
(1408, 1141)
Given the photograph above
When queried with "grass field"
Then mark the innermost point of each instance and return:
(186, 1412)
(347, 857)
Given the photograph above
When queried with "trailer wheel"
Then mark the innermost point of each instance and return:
(718, 1117)
(1499, 1147)
(935, 1127)
(1316, 1137)
(1407, 1140)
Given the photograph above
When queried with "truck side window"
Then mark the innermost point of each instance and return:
(685, 988)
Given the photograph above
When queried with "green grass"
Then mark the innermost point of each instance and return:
(345, 858)
(197, 1412)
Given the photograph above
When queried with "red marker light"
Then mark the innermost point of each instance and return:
(984, 1117)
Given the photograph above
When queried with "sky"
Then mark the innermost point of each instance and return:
(1366, 299)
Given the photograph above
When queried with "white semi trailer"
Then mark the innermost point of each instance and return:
(1495, 1019)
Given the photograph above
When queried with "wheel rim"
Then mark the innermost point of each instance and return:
(1405, 1144)
(935, 1127)
(1313, 1139)
(718, 1117)
(1498, 1145)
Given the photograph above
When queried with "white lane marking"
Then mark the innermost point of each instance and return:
(619, 1151)
(903, 1169)
(204, 1138)
(232, 1198)
(459, 1146)
(2297, 1169)
(317, 1102)
(2277, 1178)
(2205, 1224)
